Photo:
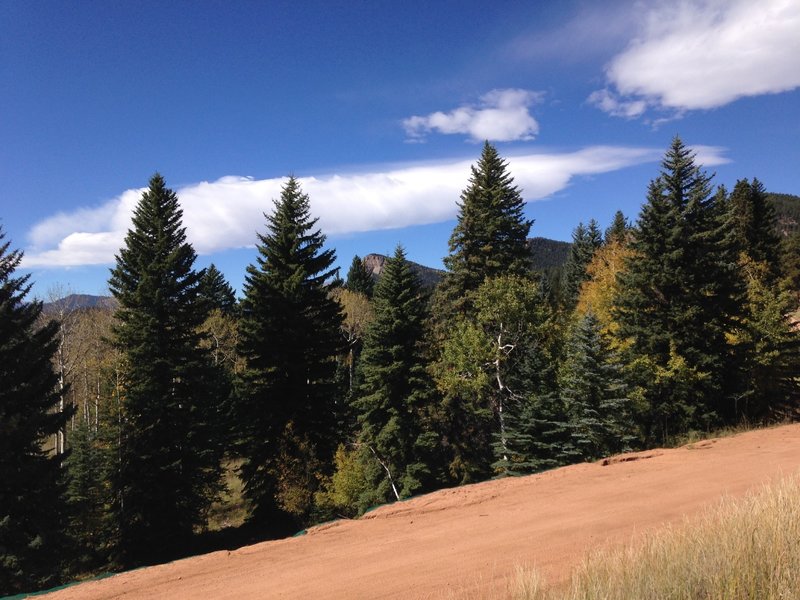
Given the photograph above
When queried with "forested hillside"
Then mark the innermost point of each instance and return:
(787, 213)
(123, 422)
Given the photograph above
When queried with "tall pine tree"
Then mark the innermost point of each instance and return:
(359, 279)
(585, 242)
(677, 295)
(754, 225)
(169, 469)
(290, 336)
(618, 230)
(594, 395)
(394, 397)
(488, 242)
(215, 289)
(490, 236)
(30, 486)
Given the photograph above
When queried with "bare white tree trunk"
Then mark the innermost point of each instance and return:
(388, 472)
(503, 351)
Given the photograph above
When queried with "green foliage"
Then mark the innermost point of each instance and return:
(88, 497)
(619, 229)
(395, 391)
(585, 242)
(217, 291)
(678, 293)
(359, 279)
(170, 449)
(466, 415)
(289, 337)
(593, 393)
(351, 490)
(489, 239)
(490, 374)
(790, 264)
(547, 254)
(754, 224)
(787, 213)
(30, 488)
(767, 346)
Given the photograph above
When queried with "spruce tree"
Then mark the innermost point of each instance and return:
(754, 224)
(359, 279)
(393, 400)
(768, 347)
(677, 295)
(593, 393)
(618, 230)
(289, 337)
(490, 236)
(88, 470)
(216, 291)
(30, 483)
(585, 242)
(169, 454)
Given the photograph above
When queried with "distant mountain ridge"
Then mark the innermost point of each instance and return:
(548, 254)
(545, 254)
(78, 301)
(428, 276)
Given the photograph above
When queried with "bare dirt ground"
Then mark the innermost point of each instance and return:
(466, 542)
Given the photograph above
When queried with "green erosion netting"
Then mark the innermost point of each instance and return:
(57, 588)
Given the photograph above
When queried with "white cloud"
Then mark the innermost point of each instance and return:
(611, 103)
(502, 115)
(227, 213)
(701, 54)
(709, 156)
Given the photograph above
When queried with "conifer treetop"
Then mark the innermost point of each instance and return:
(291, 253)
(490, 236)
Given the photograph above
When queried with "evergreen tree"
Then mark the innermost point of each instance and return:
(754, 224)
(169, 454)
(359, 279)
(289, 337)
(790, 265)
(768, 347)
(88, 472)
(490, 236)
(394, 396)
(594, 395)
(215, 290)
(538, 430)
(677, 296)
(618, 230)
(585, 242)
(30, 488)
(521, 329)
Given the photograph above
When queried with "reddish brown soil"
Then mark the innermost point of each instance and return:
(466, 542)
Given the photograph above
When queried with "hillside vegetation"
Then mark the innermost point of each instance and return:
(129, 424)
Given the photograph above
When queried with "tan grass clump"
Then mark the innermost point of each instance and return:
(742, 549)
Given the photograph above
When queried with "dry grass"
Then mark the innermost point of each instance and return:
(745, 549)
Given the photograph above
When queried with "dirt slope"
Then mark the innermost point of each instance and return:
(465, 542)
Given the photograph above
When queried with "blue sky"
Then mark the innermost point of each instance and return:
(379, 108)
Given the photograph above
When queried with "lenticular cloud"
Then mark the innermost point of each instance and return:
(226, 213)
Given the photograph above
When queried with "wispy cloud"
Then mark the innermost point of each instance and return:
(227, 213)
(502, 115)
(613, 105)
(594, 31)
(701, 54)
